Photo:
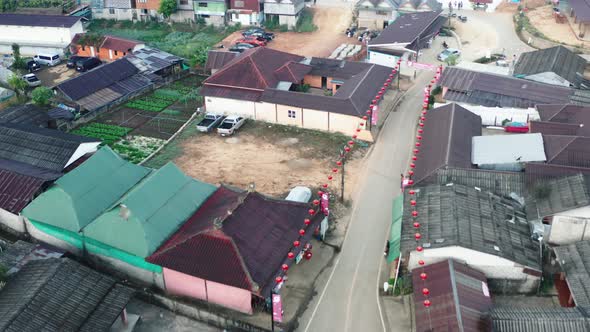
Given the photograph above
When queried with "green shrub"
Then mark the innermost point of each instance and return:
(436, 90)
(305, 22)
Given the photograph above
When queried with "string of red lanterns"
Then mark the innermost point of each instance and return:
(347, 148)
(413, 203)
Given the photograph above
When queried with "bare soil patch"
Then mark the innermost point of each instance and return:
(274, 158)
(542, 19)
(52, 76)
(331, 22)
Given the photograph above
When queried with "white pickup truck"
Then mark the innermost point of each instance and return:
(209, 122)
(230, 125)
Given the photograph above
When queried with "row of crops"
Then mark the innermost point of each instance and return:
(157, 101)
(109, 134)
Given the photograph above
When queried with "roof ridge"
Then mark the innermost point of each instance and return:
(367, 71)
(450, 136)
(258, 72)
(455, 295)
(244, 266)
(237, 59)
(571, 138)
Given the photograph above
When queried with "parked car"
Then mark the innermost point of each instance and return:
(48, 59)
(241, 47)
(230, 125)
(444, 55)
(32, 79)
(256, 41)
(33, 66)
(209, 122)
(74, 59)
(258, 32)
(87, 64)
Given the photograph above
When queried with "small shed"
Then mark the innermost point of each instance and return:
(507, 152)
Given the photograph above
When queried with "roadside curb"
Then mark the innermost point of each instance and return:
(457, 38)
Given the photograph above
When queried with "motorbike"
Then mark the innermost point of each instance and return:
(445, 45)
(463, 19)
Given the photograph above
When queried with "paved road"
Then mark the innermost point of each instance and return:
(349, 301)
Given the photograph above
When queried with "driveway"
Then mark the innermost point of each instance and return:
(52, 76)
(488, 32)
(347, 299)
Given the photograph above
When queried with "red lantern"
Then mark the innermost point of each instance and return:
(425, 291)
(374, 101)
(421, 124)
(351, 143)
(414, 213)
(325, 185)
(339, 163)
(432, 81)
(368, 112)
(423, 118)
(279, 279)
(416, 151)
(384, 84)
(378, 97)
(307, 222)
(429, 86)
(413, 203)
(427, 303)
(420, 130)
(362, 124)
(414, 158)
(418, 137)
(358, 130)
(320, 193)
(383, 88)
(311, 212)
(421, 262)
(285, 267)
(316, 202)
(296, 243)
(347, 149)
(334, 170)
(389, 79)
(330, 177)
(419, 248)
(354, 136)
(390, 75)
(302, 232)
(418, 144)
(380, 93)
(412, 192)
(423, 276)
(417, 236)
(411, 172)
(424, 112)
(410, 182)
(416, 225)
(291, 255)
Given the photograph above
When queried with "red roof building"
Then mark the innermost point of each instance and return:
(233, 247)
(110, 48)
(459, 298)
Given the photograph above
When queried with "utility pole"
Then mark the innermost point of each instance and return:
(342, 180)
(272, 317)
(399, 71)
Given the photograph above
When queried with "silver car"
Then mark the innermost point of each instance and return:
(32, 79)
(444, 55)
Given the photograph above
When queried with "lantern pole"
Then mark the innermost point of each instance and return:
(272, 308)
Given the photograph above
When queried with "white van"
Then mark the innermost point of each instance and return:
(47, 59)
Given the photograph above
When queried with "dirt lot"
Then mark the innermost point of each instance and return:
(275, 158)
(52, 76)
(331, 23)
(542, 19)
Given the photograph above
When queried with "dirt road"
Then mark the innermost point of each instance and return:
(331, 22)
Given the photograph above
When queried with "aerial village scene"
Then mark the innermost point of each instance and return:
(295, 165)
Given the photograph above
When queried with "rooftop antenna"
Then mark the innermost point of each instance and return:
(124, 211)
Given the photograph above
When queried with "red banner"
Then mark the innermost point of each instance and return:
(277, 308)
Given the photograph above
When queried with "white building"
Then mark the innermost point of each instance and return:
(285, 11)
(37, 33)
(507, 152)
(478, 228)
(560, 210)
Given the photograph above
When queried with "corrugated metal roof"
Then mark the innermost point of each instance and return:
(156, 206)
(500, 183)
(565, 119)
(16, 190)
(457, 215)
(448, 144)
(252, 241)
(507, 149)
(457, 294)
(83, 194)
(406, 28)
(28, 114)
(60, 295)
(567, 150)
(218, 59)
(574, 260)
(558, 60)
(540, 319)
(51, 21)
(566, 193)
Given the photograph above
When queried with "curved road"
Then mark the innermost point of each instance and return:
(348, 299)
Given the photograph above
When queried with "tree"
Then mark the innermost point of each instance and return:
(451, 60)
(91, 39)
(19, 62)
(41, 95)
(17, 84)
(167, 7)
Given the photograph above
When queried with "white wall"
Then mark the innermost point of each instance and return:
(230, 106)
(245, 19)
(570, 227)
(12, 221)
(183, 15)
(83, 149)
(382, 59)
(33, 40)
(133, 272)
(549, 78)
(119, 14)
(494, 267)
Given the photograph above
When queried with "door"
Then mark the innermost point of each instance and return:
(324, 82)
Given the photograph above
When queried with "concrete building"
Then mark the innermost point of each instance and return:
(265, 85)
(376, 14)
(110, 48)
(211, 11)
(574, 261)
(556, 65)
(283, 12)
(246, 12)
(560, 209)
(487, 232)
(38, 33)
(507, 152)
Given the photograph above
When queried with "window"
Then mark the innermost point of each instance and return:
(116, 53)
(239, 4)
(112, 11)
(379, 12)
(184, 2)
(124, 54)
(144, 11)
(203, 4)
(237, 16)
(83, 48)
(292, 114)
